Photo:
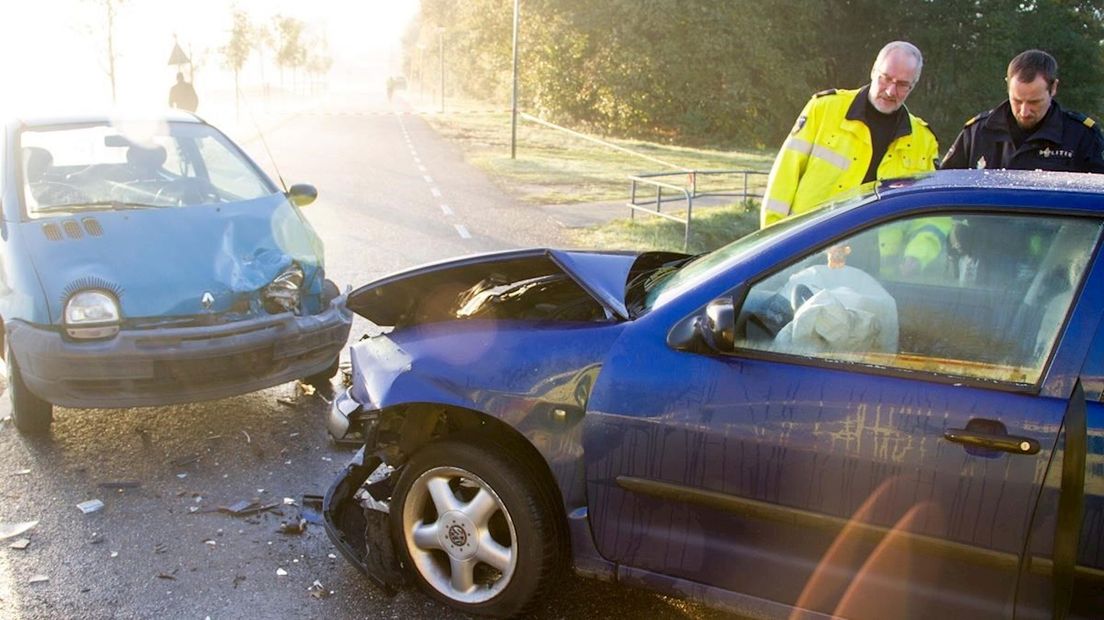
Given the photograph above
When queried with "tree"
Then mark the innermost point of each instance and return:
(290, 51)
(237, 49)
(111, 9)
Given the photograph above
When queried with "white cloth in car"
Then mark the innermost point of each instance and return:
(849, 311)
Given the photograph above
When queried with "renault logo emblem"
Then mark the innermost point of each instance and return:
(208, 300)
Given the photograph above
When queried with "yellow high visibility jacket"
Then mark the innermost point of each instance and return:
(829, 151)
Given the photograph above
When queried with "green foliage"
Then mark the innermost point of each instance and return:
(237, 49)
(737, 72)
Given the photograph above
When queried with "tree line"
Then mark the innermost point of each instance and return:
(736, 73)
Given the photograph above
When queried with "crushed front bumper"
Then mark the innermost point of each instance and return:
(359, 524)
(175, 365)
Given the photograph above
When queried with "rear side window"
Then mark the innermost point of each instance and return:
(970, 295)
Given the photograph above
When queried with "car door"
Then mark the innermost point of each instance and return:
(874, 446)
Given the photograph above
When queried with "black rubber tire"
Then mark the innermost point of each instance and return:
(324, 379)
(30, 414)
(540, 536)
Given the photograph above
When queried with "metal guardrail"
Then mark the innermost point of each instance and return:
(688, 193)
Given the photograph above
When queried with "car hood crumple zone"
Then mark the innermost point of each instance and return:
(162, 262)
(538, 284)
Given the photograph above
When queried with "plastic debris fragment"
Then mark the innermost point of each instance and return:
(90, 506)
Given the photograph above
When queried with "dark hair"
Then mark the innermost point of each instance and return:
(1028, 65)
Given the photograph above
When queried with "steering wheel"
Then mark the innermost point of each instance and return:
(799, 295)
(188, 191)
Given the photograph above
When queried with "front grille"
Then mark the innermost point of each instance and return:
(72, 229)
(251, 364)
(92, 227)
(52, 232)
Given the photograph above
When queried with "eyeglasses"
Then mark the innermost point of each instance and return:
(902, 85)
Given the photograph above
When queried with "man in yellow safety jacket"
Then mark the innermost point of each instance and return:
(844, 138)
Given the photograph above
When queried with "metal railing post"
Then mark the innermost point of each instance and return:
(632, 199)
(689, 213)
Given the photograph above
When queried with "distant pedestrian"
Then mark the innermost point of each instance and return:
(844, 138)
(1029, 131)
(182, 95)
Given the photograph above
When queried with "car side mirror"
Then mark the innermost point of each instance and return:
(302, 194)
(712, 330)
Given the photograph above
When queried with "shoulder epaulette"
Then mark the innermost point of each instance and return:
(1081, 118)
(830, 91)
(976, 119)
(1090, 123)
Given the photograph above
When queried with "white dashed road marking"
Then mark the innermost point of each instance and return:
(464, 234)
(436, 192)
(446, 210)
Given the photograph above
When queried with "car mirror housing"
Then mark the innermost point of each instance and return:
(712, 330)
(302, 194)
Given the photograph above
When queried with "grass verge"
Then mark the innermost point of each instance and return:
(553, 167)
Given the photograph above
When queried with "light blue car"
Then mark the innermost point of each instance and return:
(149, 261)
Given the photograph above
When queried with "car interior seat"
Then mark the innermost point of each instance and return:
(146, 162)
(36, 162)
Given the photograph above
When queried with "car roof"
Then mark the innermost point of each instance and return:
(104, 116)
(994, 180)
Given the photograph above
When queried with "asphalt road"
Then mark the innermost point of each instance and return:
(392, 195)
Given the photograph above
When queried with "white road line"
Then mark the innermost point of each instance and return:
(446, 210)
(422, 168)
(428, 179)
(464, 234)
(436, 192)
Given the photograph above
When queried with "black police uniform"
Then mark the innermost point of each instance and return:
(1064, 140)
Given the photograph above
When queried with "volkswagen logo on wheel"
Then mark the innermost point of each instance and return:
(458, 535)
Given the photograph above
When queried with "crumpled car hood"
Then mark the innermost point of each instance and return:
(531, 284)
(161, 262)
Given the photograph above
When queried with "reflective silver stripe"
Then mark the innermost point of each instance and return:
(799, 145)
(831, 157)
(777, 206)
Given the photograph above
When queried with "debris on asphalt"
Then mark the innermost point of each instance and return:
(311, 509)
(185, 460)
(238, 579)
(287, 401)
(96, 538)
(247, 438)
(120, 484)
(22, 543)
(281, 572)
(11, 530)
(21, 472)
(317, 590)
(307, 389)
(90, 506)
(182, 476)
(160, 548)
(114, 554)
(293, 527)
(166, 576)
(38, 579)
(289, 501)
(210, 542)
(247, 507)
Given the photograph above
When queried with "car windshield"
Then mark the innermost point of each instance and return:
(147, 166)
(670, 282)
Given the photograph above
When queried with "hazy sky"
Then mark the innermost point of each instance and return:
(54, 51)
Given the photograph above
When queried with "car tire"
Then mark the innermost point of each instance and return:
(30, 414)
(476, 529)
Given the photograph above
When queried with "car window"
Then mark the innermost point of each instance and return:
(704, 266)
(968, 295)
(103, 166)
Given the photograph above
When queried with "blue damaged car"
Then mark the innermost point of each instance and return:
(149, 261)
(889, 407)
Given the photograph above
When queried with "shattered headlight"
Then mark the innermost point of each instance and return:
(92, 314)
(283, 294)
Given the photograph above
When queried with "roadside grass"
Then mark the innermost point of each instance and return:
(711, 229)
(554, 167)
(557, 168)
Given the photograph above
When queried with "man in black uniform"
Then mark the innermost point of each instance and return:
(1029, 131)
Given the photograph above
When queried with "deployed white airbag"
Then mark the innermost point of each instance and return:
(849, 312)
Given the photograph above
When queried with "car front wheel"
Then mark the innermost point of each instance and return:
(31, 414)
(476, 528)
